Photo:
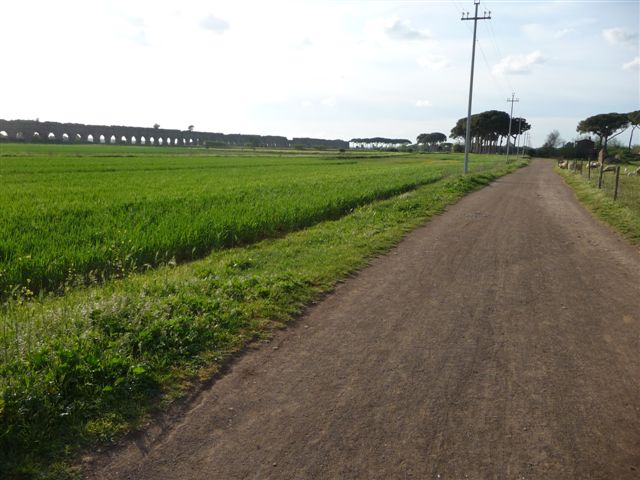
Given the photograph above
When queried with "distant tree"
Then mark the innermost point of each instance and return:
(634, 122)
(519, 125)
(156, 126)
(379, 142)
(431, 139)
(488, 129)
(493, 127)
(437, 137)
(190, 128)
(553, 140)
(458, 130)
(605, 125)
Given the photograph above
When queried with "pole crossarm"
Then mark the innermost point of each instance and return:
(475, 18)
(465, 16)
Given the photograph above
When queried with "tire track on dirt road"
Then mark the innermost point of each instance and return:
(501, 340)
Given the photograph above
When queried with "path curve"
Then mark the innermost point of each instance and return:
(500, 341)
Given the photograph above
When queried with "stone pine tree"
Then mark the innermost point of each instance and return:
(605, 125)
(431, 139)
(488, 129)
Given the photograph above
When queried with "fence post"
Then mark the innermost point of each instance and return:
(589, 169)
(615, 190)
(600, 177)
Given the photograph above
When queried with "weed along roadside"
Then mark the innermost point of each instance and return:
(88, 366)
(623, 214)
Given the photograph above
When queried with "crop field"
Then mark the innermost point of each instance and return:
(128, 270)
(76, 218)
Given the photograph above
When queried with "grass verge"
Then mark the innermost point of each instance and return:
(88, 366)
(620, 216)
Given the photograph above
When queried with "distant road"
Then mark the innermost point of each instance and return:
(501, 341)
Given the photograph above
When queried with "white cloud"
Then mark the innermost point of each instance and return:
(214, 24)
(538, 32)
(423, 103)
(400, 30)
(619, 36)
(518, 64)
(433, 62)
(329, 102)
(632, 65)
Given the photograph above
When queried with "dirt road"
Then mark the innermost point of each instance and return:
(501, 341)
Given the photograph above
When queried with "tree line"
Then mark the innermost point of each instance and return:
(489, 130)
(605, 127)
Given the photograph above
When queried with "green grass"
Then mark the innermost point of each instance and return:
(68, 219)
(104, 150)
(622, 214)
(84, 150)
(87, 366)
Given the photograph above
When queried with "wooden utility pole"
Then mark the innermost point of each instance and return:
(512, 100)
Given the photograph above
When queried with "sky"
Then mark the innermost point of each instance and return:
(311, 68)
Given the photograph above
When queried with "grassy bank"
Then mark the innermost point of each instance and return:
(87, 366)
(623, 214)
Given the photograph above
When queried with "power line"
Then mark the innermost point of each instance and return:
(504, 79)
(475, 19)
(497, 81)
(496, 45)
(493, 77)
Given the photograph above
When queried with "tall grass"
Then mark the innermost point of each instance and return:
(623, 213)
(67, 220)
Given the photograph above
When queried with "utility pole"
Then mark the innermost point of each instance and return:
(512, 100)
(475, 19)
(519, 135)
(527, 142)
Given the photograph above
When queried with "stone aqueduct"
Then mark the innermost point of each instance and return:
(36, 131)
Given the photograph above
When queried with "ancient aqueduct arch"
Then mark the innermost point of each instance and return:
(27, 130)
(31, 130)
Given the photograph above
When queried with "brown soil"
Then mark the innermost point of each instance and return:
(500, 341)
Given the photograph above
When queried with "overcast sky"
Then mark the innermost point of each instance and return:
(330, 69)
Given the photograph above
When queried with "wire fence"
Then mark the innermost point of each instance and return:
(619, 182)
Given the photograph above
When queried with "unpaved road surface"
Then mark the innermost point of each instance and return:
(501, 341)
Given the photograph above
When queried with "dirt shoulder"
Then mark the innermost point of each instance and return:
(502, 340)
